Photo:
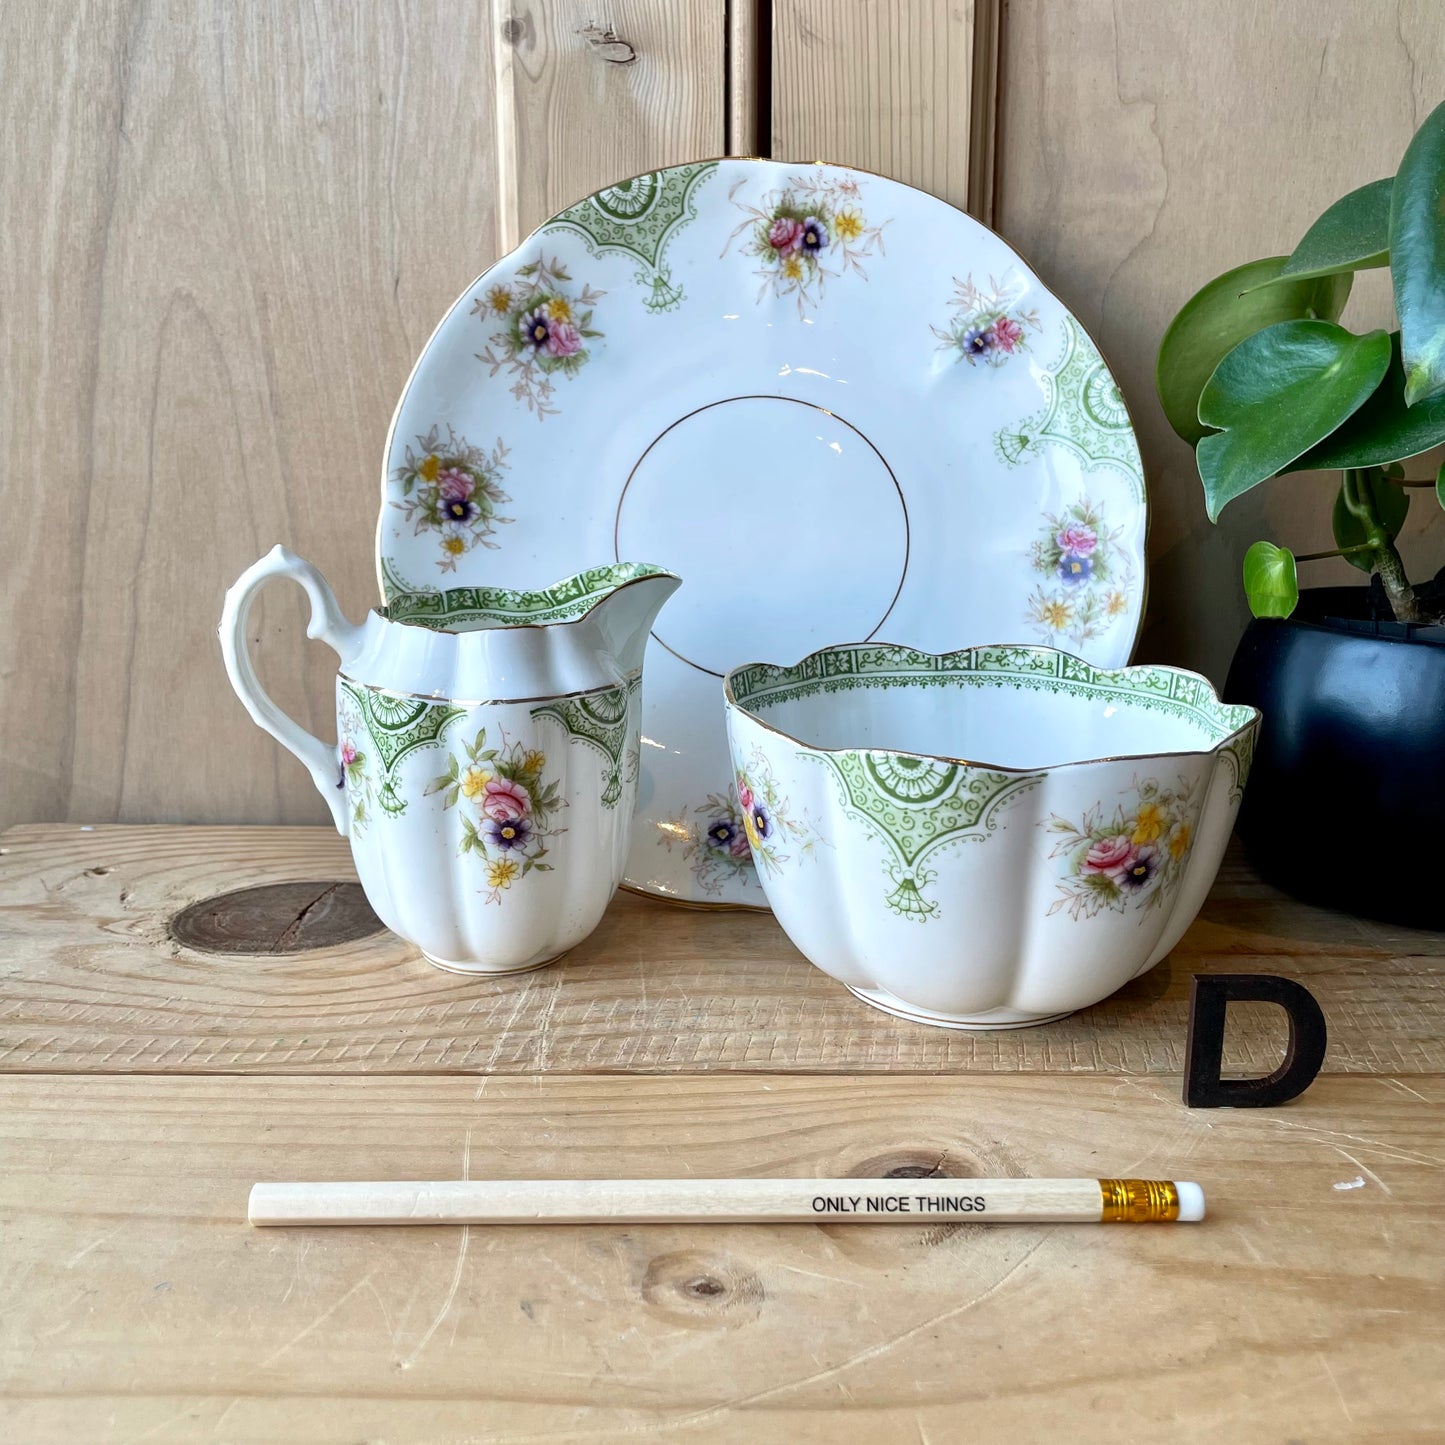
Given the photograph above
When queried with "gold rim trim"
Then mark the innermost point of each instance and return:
(945, 1021)
(795, 401)
(438, 701)
(771, 161)
(698, 905)
(493, 972)
(1138, 1201)
(656, 574)
(1209, 752)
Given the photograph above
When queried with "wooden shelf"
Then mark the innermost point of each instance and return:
(137, 1303)
(93, 983)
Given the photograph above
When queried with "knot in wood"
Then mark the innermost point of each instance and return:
(277, 918)
(907, 1164)
(705, 1291)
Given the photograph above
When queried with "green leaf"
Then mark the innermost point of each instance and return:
(1353, 235)
(1277, 394)
(1390, 504)
(1384, 429)
(1221, 315)
(436, 785)
(1417, 258)
(1270, 581)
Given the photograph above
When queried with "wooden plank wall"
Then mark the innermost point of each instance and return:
(887, 85)
(229, 231)
(231, 228)
(1146, 147)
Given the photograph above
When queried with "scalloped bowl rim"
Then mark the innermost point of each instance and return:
(1251, 720)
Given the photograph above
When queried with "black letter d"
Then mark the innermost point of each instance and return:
(1208, 996)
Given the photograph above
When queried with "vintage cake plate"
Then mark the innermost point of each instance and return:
(839, 408)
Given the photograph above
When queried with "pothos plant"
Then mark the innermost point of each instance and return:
(1259, 377)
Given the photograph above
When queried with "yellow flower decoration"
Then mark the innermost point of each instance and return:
(474, 782)
(751, 829)
(501, 872)
(1115, 603)
(534, 762)
(500, 300)
(793, 269)
(559, 309)
(1055, 615)
(454, 545)
(848, 224)
(1148, 823)
(430, 467)
(1179, 841)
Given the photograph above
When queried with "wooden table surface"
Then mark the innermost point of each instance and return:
(144, 1085)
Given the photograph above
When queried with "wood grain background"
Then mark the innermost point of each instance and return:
(1145, 148)
(230, 229)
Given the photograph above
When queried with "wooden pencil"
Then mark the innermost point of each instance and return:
(701, 1201)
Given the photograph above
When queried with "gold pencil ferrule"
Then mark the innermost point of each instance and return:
(1138, 1201)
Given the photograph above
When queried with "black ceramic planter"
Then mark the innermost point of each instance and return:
(1346, 800)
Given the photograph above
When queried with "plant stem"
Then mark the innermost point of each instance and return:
(1335, 552)
(1391, 570)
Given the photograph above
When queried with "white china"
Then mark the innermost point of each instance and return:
(485, 767)
(838, 406)
(987, 838)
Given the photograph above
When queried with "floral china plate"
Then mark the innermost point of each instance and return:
(840, 409)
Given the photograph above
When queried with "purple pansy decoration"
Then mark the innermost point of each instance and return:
(815, 235)
(508, 833)
(762, 822)
(1075, 570)
(977, 341)
(535, 329)
(460, 510)
(1141, 869)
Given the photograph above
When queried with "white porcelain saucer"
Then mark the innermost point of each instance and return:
(837, 407)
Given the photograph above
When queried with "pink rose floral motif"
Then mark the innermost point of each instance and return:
(1109, 857)
(542, 323)
(452, 489)
(504, 801)
(1077, 538)
(1130, 857)
(563, 339)
(1085, 575)
(785, 234)
(352, 774)
(752, 822)
(1008, 334)
(454, 485)
(509, 821)
(987, 324)
(805, 233)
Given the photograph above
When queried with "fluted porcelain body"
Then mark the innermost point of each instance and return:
(498, 837)
(987, 838)
(485, 767)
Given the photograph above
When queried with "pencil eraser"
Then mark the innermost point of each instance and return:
(1191, 1201)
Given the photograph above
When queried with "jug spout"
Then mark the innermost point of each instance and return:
(623, 619)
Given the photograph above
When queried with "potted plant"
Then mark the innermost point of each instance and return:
(1346, 803)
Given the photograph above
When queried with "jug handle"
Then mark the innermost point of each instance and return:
(327, 624)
